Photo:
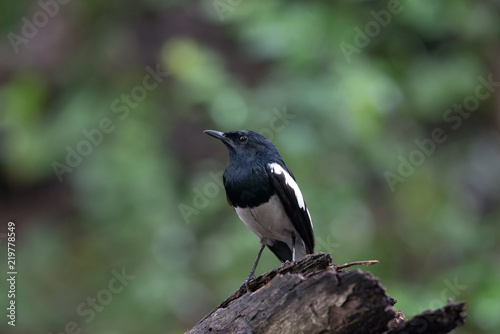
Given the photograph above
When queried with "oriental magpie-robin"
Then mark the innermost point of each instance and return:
(265, 196)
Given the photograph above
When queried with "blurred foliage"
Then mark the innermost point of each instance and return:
(347, 90)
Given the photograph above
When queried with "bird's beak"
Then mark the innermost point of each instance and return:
(219, 135)
(215, 134)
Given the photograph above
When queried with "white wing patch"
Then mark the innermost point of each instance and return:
(277, 169)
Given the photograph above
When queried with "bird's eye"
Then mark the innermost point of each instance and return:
(243, 139)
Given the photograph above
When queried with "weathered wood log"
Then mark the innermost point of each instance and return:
(312, 296)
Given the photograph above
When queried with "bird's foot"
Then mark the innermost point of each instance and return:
(285, 263)
(250, 278)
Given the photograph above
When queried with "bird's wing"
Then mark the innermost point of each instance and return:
(289, 193)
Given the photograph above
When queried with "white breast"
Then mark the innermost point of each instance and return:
(270, 222)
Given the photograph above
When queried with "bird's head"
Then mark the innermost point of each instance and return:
(244, 143)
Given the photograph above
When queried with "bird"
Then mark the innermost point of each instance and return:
(265, 196)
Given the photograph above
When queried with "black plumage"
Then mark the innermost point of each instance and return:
(265, 195)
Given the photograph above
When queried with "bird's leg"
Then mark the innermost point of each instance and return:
(293, 247)
(251, 276)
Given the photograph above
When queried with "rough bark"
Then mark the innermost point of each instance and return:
(313, 296)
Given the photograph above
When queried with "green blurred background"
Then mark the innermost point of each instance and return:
(106, 171)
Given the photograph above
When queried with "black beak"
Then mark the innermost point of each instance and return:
(216, 134)
(219, 135)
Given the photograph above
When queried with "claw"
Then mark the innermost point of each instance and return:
(251, 276)
(248, 280)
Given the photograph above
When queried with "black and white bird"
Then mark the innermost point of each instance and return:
(265, 196)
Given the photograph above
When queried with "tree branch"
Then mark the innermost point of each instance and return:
(313, 296)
